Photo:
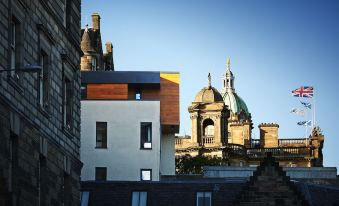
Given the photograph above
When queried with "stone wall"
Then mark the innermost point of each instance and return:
(39, 153)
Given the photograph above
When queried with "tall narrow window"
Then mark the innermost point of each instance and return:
(204, 198)
(13, 44)
(101, 135)
(65, 13)
(94, 64)
(84, 198)
(83, 91)
(43, 82)
(68, 103)
(146, 174)
(100, 173)
(14, 48)
(146, 135)
(139, 198)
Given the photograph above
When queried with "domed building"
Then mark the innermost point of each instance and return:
(208, 115)
(222, 126)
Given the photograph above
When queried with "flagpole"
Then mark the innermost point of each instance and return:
(314, 125)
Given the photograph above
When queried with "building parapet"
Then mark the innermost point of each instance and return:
(293, 172)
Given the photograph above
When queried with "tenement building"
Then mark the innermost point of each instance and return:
(222, 126)
(40, 102)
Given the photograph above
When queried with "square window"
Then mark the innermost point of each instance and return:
(101, 135)
(146, 135)
(137, 94)
(139, 198)
(146, 174)
(100, 173)
(204, 198)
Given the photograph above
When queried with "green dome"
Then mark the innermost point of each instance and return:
(231, 99)
(234, 102)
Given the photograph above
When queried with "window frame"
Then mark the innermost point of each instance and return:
(67, 112)
(146, 138)
(96, 136)
(141, 175)
(96, 173)
(198, 194)
(139, 203)
(44, 78)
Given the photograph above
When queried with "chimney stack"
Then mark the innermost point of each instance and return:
(109, 57)
(96, 21)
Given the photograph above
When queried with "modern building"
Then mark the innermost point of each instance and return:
(129, 121)
(222, 127)
(40, 102)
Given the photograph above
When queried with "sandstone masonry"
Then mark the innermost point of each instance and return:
(40, 112)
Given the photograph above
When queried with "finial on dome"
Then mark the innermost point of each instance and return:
(209, 80)
(228, 63)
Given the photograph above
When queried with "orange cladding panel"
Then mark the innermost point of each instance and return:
(169, 98)
(107, 91)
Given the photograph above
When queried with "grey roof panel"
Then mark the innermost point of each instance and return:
(120, 77)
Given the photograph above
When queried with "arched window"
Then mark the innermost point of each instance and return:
(208, 126)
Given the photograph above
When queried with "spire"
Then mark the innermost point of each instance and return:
(209, 80)
(86, 27)
(228, 78)
(228, 64)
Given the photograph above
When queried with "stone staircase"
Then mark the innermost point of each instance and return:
(269, 185)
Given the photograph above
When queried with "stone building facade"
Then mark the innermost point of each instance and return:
(93, 58)
(222, 127)
(40, 111)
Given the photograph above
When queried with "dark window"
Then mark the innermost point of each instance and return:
(146, 135)
(101, 135)
(43, 82)
(204, 198)
(139, 198)
(84, 198)
(138, 94)
(14, 46)
(145, 174)
(83, 91)
(68, 100)
(100, 173)
(67, 189)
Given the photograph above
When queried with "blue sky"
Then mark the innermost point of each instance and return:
(274, 46)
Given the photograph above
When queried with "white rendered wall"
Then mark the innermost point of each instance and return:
(167, 161)
(123, 156)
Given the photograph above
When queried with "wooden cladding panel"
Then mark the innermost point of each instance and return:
(107, 91)
(169, 98)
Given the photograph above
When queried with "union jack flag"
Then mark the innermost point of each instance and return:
(303, 91)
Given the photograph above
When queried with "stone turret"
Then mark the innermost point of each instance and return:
(93, 58)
